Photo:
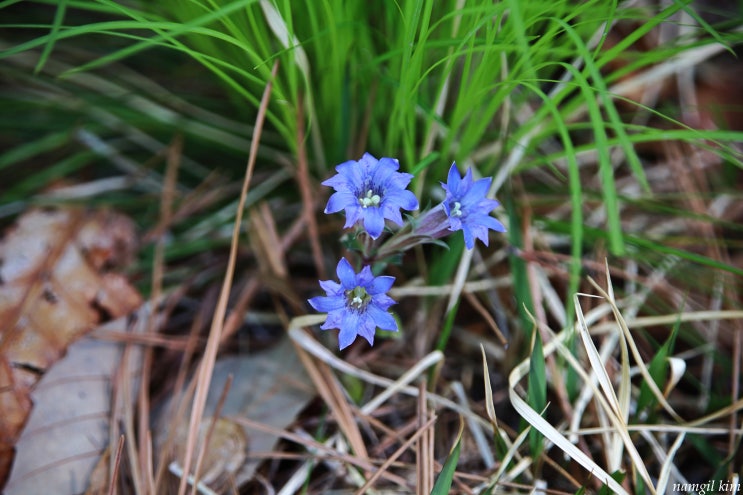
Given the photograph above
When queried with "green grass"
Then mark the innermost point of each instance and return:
(94, 90)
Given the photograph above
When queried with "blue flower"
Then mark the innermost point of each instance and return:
(357, 306)
(467, 207)
(370, 190)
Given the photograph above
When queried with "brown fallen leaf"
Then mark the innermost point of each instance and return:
(69, 428)
(55, 285)
(269, 387)
(225, 452)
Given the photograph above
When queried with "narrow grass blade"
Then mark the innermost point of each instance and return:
(658, 369)
(49, 46)
(537, 391)
(501, 448)
(443, 482)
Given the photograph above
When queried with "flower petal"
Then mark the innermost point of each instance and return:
(391, 164)
(324, 304)
(367, 328)
(352, 174)
(469, 240)
(345, 273)
(349, 329)
(399, 181)
(346, 337)
(354, 213)
(380, 285)
(330, 287)
(493, 224)
(384, 173)
(479, 231)
(382, 319)
(467, 181)
(455, 223)
(366, 165)
(333, 320)
(383, 301)
(373, 221)
(453, 179)
(391, 212)
(478, 191)
(403, 199)
(338, 181)
(365, 277)
(338, 201)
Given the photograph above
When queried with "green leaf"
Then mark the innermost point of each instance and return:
(658, 369)
(58, 18)
(518, 266)
(618, 477)
(443, 482)
(537, 392)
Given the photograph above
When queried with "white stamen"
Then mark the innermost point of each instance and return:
(456, 211)
(370, 199)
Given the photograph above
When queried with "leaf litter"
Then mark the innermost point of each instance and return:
(56, 284)
(68, 432)
(270, 388)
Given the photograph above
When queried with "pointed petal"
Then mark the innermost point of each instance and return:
(399, 181)
(487, 205)
(353, 214)
(339, 201)
(338, 181)
(391, 212)
(373, 221)
(323, 304)
(380, 285)
(493, 224)
(330, 287)
(453, 179)
(368, 159)
(382, 319)
(467, 181)
(479, 190)
(479, 231)
(346, 274)
(365, 277)
(384, 172)
(367, 328)
(402, 199)
(346, 337)
(469, 240)
(455, 223)
(368, 336)
(352, 173)
(333, 320)
(349, 328)
(367, 164)
(390, 163)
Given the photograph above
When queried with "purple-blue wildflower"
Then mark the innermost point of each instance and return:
(370, 190)
(467, 207)
(357, 305)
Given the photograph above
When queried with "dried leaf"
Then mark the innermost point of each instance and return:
(269, 387)
(68, 429)
(54, 287)
(225, 452)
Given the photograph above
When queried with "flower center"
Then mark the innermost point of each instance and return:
(456, 211)
(357, 298)
(370, 199)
